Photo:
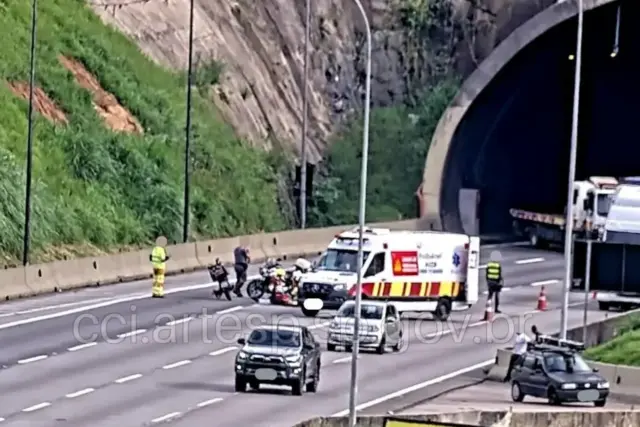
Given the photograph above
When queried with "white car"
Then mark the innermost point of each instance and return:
(380, 327)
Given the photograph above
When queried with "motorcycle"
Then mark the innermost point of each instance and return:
(221, 285)
(279, 290)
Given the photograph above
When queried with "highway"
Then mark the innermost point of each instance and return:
(113, 356)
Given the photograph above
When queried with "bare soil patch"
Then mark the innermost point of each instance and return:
(42, 104)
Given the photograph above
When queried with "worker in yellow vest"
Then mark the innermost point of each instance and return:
(158, 259)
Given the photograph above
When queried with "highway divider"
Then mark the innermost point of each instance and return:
(623, 380)
(127, 266)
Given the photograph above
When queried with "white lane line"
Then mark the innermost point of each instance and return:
(416, 387)
(482, 267)
(80, 393)
(177, 364)
(179, 321)
(7, 314)
(223, 351)
(165, 417)
(82, 346)
(529, 261)
(128, 378)
(230, 310)
(545, 282)
(208, 402)
(32, 359)
(1, 420)
(36, 407)
(319, 325)
(108, 303)
(344, 360)
(132, 333)
(68, 304)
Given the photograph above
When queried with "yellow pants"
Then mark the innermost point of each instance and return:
(158, 282)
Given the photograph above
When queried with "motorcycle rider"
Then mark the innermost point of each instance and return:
(301, 267)
(220, 277)
(241, 265)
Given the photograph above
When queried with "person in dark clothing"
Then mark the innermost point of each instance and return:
(219, 274)
(494, 279)
(536, 333)
(241, 265)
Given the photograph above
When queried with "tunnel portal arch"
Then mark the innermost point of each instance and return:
(483, 111)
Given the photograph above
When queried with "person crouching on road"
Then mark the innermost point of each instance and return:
(241, 265)
(220, 277)
(158, 260)
(494, 279)
(519, 349)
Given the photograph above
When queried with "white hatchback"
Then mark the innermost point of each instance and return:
(380, 327)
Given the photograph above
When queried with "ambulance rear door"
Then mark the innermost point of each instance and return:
(473, 270)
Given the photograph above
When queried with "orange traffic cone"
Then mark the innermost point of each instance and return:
(542, 300)
(488, 311)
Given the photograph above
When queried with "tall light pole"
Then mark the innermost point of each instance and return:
(305, 110)
(353, 392)
(32, 80)
(187, 143)
(568, 237)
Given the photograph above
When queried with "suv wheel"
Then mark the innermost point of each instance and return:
(241, 384)
(297, 388)
(312, 387)
(516, 393)
(398, 346)
(381, 348)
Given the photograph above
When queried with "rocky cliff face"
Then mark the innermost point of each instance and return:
(261, 47)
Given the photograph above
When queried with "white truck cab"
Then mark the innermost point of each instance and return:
(623, 221)
(417, 270)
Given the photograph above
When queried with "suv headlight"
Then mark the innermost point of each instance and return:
(569, 386)
(603, 385)
(242, 355)
(339, 287)
(373, 328)
(333, 325)
(294, 360)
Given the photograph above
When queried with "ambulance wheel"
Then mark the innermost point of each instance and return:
(443, 309)
(310, 313)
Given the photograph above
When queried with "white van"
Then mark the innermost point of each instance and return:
(418, 270)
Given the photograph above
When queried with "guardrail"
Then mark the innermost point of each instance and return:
(92, 271)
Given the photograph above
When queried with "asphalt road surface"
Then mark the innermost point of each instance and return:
(113, 356)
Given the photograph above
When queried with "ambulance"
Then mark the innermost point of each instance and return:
(419, 271)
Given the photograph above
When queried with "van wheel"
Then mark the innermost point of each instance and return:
(310, 313)
(443, 309)
(603, 306)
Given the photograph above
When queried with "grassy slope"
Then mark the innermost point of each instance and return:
(95, 189)
(622, 350)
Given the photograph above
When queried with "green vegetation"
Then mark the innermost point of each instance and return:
(399, 140)
(95, 189)
(622, 350)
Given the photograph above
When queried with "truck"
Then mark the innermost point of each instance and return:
(591, 203)
(419, 271)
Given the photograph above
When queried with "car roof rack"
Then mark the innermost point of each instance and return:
(545, 342)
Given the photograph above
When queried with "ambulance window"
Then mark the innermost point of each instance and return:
(377, 265)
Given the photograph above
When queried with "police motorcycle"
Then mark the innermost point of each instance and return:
(280, 285)
(220, 278)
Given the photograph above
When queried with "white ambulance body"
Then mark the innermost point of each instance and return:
(418, 270)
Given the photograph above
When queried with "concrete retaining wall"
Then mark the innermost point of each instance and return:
(127, 266)
(502, 419)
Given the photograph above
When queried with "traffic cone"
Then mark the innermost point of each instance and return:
(488, 311)
(542, 300)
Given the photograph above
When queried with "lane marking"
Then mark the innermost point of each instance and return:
(179, 321)
(165, 417)
(132, 333)
(319, 325)
(344, 359)
(482, 267)
(545, 282)
(231, 310)
(177, 364)
(36, 407)
(128, 378)
(7, 314)
(529, 261)
(2, 419)
(223, 351)
(80, 393)
(208, 402)
(32, 359)
(416, 387)
(68, 304)
(82, 346)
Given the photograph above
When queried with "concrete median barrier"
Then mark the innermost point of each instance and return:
(546, 418)
(126, 266)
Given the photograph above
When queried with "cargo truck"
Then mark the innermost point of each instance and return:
(591, 203)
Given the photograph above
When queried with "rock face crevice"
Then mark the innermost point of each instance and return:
(261, 46)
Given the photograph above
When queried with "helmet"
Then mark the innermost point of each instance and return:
(217, 260)
(280, 272)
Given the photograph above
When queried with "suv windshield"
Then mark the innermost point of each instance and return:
(367, 311)
(340, 260)
(274, 338)
(556, 362)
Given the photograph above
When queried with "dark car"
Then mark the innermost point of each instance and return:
(558, 374)
(279, 355)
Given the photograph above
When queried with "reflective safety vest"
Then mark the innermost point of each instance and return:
(158, 257)
(494, 272)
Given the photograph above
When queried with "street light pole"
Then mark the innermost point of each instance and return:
(353, 392)
(568, 238)
(32, 80)
(305, 110)
(587, 286)
(187, 144)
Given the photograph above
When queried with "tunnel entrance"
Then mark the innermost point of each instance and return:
(513, 143)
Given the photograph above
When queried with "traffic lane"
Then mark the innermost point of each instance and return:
(378, 376)
(77, 301)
